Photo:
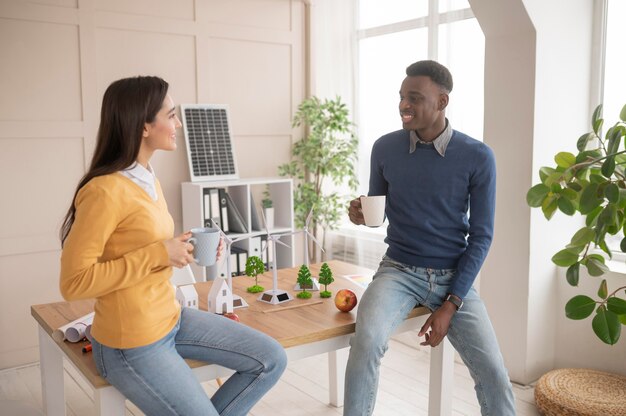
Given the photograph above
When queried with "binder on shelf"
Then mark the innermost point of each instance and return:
(255, 224)
(223, 210)
(255, 246)
(215, 206)
(264, 250)
(239, 256)
(235, 220)
(206, 205)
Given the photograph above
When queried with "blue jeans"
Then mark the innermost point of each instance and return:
(396, 289)
(156, 378)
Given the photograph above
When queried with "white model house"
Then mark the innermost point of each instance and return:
(187, 296)
(220, 298)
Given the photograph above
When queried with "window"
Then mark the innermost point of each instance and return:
(394, 34)
(613, 82)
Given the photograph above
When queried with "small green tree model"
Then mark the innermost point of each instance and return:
(254, 267)
(304, 280)
(326, 278)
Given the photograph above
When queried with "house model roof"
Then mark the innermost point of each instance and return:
(188, 291)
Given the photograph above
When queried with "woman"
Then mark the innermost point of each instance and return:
(118, 248)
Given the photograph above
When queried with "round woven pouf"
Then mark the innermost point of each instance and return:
(581, 392)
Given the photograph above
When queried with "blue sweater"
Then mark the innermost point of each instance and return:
(428, 197)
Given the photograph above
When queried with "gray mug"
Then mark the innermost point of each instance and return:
(205, 242)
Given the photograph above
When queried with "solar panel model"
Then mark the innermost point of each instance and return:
(209, 142)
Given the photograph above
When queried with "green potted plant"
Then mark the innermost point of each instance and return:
(254, 267)
(593, 183)
(326, 278)
(304, 280)
(268, 208)
(326, 154)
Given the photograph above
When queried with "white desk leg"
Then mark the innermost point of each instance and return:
(109, 401)
(337, 361)
(51, 367)
(441, 379)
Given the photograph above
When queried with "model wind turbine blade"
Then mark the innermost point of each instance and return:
(316, 242)
(281, 243)
(308, 218)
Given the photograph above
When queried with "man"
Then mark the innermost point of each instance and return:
(430, 175)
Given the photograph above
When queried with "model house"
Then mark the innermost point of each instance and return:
(220, 298)
(527, 77)
(187, 296)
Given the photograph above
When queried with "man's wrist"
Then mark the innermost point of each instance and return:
(455, 300)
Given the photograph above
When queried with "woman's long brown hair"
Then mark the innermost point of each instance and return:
(127, 105)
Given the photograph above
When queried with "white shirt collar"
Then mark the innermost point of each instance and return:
(440, 143)
(143, 177)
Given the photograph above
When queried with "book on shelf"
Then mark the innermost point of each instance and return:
(255, 223)
(236, 223)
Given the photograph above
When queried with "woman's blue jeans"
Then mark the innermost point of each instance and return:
(158, 381)
(396, 289)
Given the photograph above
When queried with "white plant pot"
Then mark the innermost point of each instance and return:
(269, 217)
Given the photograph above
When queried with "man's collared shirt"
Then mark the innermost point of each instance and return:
(440, 143)
(143, 177)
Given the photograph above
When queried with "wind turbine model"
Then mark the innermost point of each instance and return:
(238, 301)
(306, 234)
(274, 296)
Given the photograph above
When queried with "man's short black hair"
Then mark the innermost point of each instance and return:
(438, 73)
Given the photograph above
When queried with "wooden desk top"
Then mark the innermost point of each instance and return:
(292, 323)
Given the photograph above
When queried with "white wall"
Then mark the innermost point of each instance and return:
(58, 57)
(537, 93)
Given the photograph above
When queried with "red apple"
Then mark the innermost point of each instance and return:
(232, 316)
(345, 300)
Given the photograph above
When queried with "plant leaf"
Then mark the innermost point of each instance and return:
(572, 274)
(589, 199)
(579, 307)
(564, 159)
(549, 206)
(603, 291)
(581, 144)
(565, 258)
(608, 167)
(607, 326)
(566, 206)
(622, 319)
(611, 192)
(544, 172)
(536, 195)
(597, 114)
(596, 267)
(583, 236)
(622, 114)
(616, 305)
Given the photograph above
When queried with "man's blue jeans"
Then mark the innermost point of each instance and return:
(158, 381)
(396, 289)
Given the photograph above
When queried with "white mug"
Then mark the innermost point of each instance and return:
(373, 208)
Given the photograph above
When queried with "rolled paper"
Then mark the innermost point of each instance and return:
(75, 330)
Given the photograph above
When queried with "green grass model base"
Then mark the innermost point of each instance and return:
(326, 294)
(255, 289)
(304, 295)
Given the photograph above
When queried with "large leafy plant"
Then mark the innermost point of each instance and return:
(593, 183)
(326, 154)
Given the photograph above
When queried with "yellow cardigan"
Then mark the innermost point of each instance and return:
(115, 253)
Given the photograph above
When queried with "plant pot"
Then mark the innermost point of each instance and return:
(269, 217)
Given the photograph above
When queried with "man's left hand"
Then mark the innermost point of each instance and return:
(438, 323)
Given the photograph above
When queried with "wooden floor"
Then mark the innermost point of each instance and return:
(302, 390)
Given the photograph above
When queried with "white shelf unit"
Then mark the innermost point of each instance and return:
(281, 193)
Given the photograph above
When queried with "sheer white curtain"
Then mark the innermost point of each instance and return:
(332, 35)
